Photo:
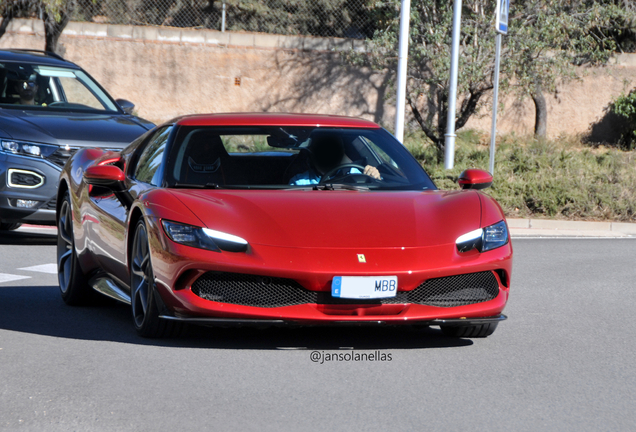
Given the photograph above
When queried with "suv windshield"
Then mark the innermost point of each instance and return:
(24, 85)
(292, 157)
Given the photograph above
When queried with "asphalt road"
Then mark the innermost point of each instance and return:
(564, 360)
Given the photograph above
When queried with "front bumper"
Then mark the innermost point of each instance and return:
(45, 193)
(177, 268)
(185, 305)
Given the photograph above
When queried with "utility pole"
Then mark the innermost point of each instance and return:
(501, 26)
(403, 53)
(449, 145)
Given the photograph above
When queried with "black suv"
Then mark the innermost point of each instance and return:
(49, 108)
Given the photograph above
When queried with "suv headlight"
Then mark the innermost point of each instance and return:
(203, 238)
(28, 149)
(484, 239)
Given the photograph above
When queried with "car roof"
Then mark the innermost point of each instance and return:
(35, 56)
(274, 119)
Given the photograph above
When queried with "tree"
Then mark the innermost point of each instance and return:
(10, 9)
(545, 42)
(55, 14)
(549, 40)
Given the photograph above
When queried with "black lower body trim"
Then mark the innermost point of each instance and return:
(268, 322)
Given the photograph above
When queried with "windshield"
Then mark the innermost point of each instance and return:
(292, 157)
(40, 87)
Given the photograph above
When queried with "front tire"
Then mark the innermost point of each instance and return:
(143, 293)
(473, 331)
(73, 285)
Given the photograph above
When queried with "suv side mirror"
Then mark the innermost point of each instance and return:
(126, 105)
(475, 179)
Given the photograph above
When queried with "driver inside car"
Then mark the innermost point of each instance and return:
(26, 90)
(327, 153)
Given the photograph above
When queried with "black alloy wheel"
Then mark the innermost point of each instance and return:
(144, 297)
(73, 285)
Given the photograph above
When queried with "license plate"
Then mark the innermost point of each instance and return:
(364, 287)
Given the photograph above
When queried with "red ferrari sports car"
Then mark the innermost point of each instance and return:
(270, 219)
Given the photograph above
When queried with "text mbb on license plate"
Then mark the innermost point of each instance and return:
(364, 287)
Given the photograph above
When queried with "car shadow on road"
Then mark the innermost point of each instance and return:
(40, 310)
(22, 238)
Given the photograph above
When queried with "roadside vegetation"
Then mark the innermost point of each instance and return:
(562, 178)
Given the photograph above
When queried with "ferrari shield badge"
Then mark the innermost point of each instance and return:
(361, 258)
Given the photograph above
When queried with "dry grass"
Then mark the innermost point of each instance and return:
(562, 178)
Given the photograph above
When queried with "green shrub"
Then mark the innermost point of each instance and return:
(543, 178)
(625, 107)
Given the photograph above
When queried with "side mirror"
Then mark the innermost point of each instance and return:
(108, 176)
(475, 179)
(126, 105)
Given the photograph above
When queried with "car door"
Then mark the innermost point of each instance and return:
(110, 232)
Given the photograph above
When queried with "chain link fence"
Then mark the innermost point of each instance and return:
(326, 18)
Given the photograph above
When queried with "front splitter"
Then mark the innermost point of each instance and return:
(454, 322)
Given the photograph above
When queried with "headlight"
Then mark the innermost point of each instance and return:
(203, 238)
(495, 236)
(485, 239)
(28, 149)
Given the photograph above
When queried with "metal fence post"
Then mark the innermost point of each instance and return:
(223, 18)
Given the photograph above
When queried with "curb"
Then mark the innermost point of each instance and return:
(520, 228)
(558, 228)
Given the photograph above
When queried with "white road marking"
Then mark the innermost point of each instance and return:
(4, 277)
(43, 268)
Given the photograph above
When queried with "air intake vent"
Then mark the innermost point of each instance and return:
(262, 291)
(251, 290)
(452, 291)
(24, 179)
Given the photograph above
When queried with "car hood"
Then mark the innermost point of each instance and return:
(337, 219)
(73, 129)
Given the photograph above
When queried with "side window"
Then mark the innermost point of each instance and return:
(77, 93)
(385, 158)
(147, 170)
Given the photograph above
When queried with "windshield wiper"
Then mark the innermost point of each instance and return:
(341, 186)
(197, 185)
(322, 187)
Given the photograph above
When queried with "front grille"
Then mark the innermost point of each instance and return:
(262, 291)
(61, 155)
(452, 290)
(251, 290)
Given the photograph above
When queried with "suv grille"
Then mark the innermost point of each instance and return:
(61, 155)
(263, 291)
